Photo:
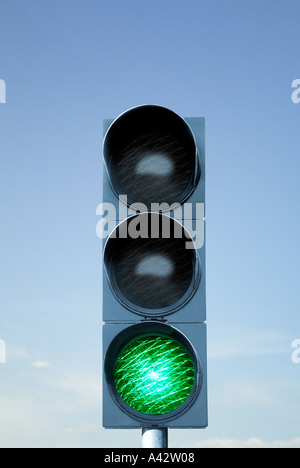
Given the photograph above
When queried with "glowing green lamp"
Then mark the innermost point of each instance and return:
(154, 374)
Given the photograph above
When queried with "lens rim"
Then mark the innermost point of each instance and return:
(109, 252)
(135, 332)
(126, 198)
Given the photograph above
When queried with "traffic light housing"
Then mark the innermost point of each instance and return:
(154, 301)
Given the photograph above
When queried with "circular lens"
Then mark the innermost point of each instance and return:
(154, 375)
(150, 155)
(151, 274)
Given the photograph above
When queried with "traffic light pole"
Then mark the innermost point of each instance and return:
(155, 437)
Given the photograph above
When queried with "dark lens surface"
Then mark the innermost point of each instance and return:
(152, 273)
(154, 169)
(151, 156)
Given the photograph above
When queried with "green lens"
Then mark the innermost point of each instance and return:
(154, 375)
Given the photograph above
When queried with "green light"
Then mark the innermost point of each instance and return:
(154, 374)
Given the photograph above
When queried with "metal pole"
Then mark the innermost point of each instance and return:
(155, 437)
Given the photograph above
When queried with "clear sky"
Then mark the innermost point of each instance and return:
(69, 65)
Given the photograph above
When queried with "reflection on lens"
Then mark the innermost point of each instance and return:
(155, 265)
(157, 165)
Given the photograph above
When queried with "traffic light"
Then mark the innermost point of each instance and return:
(154, 304)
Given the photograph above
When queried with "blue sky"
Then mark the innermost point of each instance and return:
(69, 65)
